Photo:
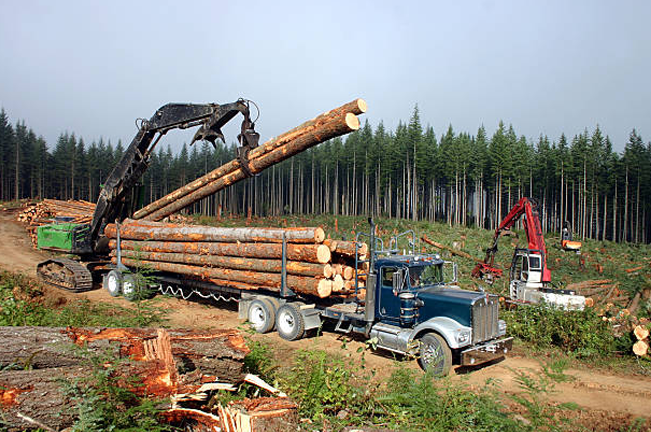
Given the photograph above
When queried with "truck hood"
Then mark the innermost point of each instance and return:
(450, 302)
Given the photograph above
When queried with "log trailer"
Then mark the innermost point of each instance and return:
(529, 276)
(119, 197)
(409, 308)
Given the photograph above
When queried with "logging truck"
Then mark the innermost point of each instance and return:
(409, 307)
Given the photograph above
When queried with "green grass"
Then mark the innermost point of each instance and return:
(579, 333)
(22, 304)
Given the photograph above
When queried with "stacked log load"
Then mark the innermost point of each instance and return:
(243, 258)
(42, 213)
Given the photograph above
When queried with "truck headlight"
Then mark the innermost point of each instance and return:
(463, 336)
(501, 327)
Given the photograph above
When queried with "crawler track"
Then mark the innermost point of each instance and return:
(66, 274)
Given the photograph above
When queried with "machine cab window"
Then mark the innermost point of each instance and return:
(387, 276)
(534, 262)
(425, 275)
(526, 266)
(520, 267)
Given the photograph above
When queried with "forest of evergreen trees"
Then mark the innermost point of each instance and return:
(455, 177)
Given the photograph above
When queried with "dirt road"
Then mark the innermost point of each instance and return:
(604, 396)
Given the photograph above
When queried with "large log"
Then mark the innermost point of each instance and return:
(272, 281)
(30, 398)
(237, 263)
(641, 332)
(173, 232)
(319, 254)
(641, 348)
(347, 248)
(37, 395)
(358, 106)
(450, 249)
(49, 347)
(339, 126)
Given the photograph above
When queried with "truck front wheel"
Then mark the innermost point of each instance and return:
(290, 322)
(262, 315)
(435, 356)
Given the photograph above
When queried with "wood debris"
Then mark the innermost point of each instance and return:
(205, 356)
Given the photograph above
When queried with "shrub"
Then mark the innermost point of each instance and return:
(104, 404)
(416, 401)
(582, 333)
(21, 303)
(324, 384)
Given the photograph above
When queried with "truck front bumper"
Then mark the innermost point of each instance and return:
(486, 352)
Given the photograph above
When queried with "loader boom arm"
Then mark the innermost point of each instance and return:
(536, 241)
(117, 199)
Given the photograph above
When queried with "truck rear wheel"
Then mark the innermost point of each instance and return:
(290, 322)
(262, 315)
(113, 283)
(435, 355)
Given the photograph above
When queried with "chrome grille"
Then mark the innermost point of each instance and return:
(485, 319)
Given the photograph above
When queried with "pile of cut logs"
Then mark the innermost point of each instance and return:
(331, 124)
(79, 211)
(243, 258)
(37, 362)
(38, 214)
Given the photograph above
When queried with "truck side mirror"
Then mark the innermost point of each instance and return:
(398, 281)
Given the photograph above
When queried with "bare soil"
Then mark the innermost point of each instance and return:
(607, 400)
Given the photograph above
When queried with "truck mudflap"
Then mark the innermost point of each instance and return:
(486, 352)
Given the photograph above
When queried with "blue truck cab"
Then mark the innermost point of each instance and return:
(418, 312)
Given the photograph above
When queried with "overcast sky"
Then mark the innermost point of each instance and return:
(548, 67)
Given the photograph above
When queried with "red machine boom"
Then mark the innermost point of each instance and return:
(528, 208)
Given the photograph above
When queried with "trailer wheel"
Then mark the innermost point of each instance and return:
(262, 315)
(130, 287)
(289, 322)
(113, 283)
(435, 355)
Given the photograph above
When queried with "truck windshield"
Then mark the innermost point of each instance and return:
(425, 275)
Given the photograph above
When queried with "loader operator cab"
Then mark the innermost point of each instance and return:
(526, 274)
(526, 266)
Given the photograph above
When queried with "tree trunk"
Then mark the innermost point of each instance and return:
(267, 156)
(615, 213)
(319, 254)
(348, 248)
(625, 234)
(17, 173)
(227, 262)
(243, 279)
(136, 230)
(357, 106)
